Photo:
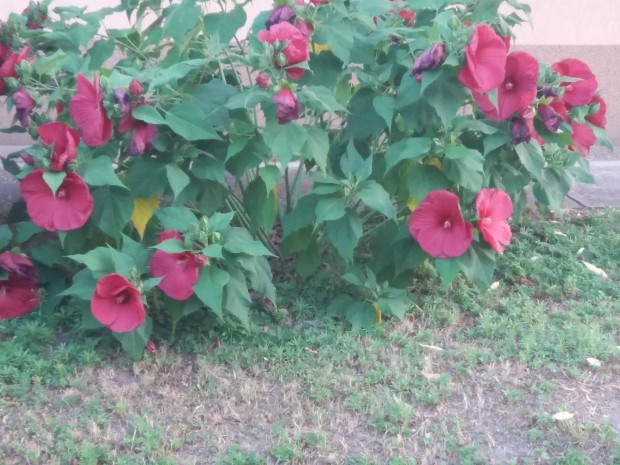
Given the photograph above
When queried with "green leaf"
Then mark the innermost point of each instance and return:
(210, 287)
(446, 95)
(361, 315)
(395, 302)
(422, 179)
(188, 121)
(284, 140)
(102, 261)
(261, 205)
(100, 52)
(384, 106)
(467, 170)
(135, 341)
(478, 265)
(225, 25)
(270, 175)
(50, 64)
(148, 114)
(330, 208)
(171, 246)
(136, 251)
(54, 179)
(98, 171)
(407, 149)
(177, 218)
(177, 178)
(302, 215)
(237, 298)
(338, 307)
(319, 98)
(238, 240)
(339, 36)
(447, 269)
(316, 147)
(220, 221)
(146, 177)
(345, 233)
(377, 198)
(363, 119)
(82, 286)
(5, 236)
(354, 165)
(531, 157)
(113, 209)
(180, 20)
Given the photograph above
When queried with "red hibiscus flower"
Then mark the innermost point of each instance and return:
(117, 304)
(65, 141)
(143, 135)
(494, 208)
(296, 50)
(438, 226)
(305, 28)
(86, 109)
(24, 104)
(579, 92)
(7, 69)
(19, 293)
(516, 92)
(69, 209)
(287, 105)
(485, 60)
(583, 137)
(319, 2)
(178, 270)
(599, 118)
(430, 59)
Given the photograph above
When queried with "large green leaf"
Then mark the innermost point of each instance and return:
(181, 19)
(113, 209)
(446, 95)
(98, 171)
(316, 147)
(531, 156)
(135, 341)
(225, 25)
(422, 179)
(478, 264)
(177, 178)
(188, 120)
(284, 140)
(210, 287)
(345, 233)
(102, 261)
(177, 218)
(376, 197)
(237, 299)
(465, 167)
(407, 149)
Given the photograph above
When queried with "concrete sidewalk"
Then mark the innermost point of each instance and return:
(605, 166)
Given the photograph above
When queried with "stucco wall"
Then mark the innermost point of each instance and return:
(554, 22)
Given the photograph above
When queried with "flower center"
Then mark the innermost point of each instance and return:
(182, 262)
(447, 224)
(569, 87)
(486, 221)
(61, 193)
(123, 297)
(509, 85)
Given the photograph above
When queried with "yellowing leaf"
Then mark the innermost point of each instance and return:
(143, 209)
(378, 317)
(318, 48)
(436, 162)
(412, 203)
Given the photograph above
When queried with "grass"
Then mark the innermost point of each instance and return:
(470, 377)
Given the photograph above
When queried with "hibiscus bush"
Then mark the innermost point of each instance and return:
(177, 161)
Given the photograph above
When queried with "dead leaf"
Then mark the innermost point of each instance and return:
(595, 269)
(563, 416)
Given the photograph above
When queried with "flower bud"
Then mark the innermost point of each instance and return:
(24, 104)
(551, 118)
(520, 131)
(287, 105)
(136, 88)
(262, 80)
(429, 60)
(280, 14)
(27, 158)
(280, 60)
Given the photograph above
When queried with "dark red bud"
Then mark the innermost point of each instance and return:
(520, 131)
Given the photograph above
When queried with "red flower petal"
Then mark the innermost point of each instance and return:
(65, 140)
(17, 297)
(598, 119)
(179, 272)
(583, 137)
(117, 304)
(69, 209)
(494, 207)
(438, 226)
(485, 60)
(88, 113)
(18, 266)
(579, 92)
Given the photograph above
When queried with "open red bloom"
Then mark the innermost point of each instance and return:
(485, 60)
(69, 209)
(583, 137)
(287, 105)
(494, 208)
(438, 226)
(296, 50)
(7, 68)
(579, 92)
(516, 92)
(117, 304)
(86, 109)
(19, 293)
(178, 270)
(599, 118)
(65, 140)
